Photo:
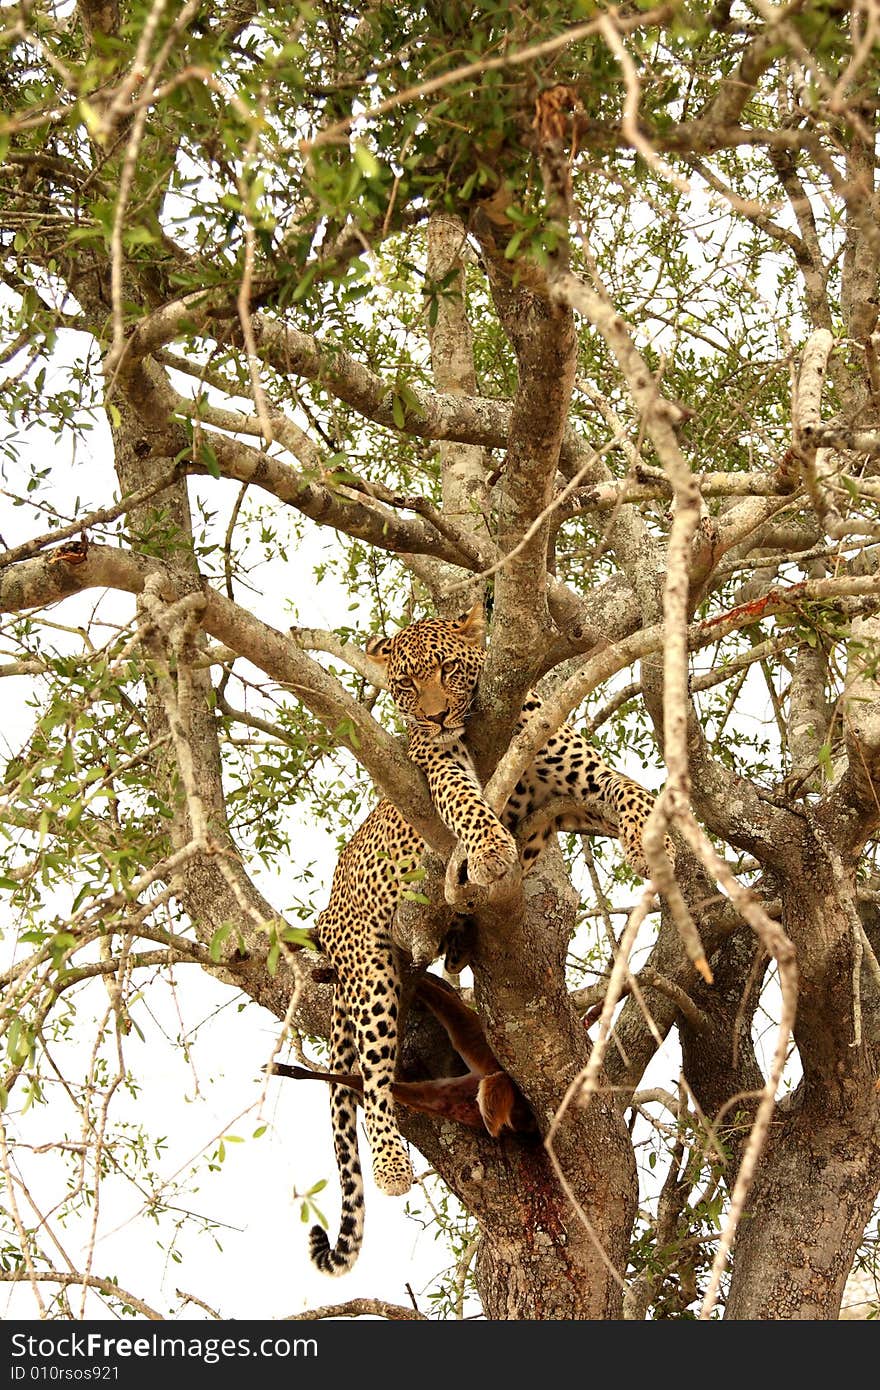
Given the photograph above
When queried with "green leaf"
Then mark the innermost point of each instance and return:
(208, 457)
(139, 236)
(317, 1214)
(19, 1043)
(215, 947)
(468, 186)
(299, 936)
(412, 404)
(91, 119)
(305, 284)
(367, 162)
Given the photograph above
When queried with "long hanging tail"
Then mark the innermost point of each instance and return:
(340, 1258)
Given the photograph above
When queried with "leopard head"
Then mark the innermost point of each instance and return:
(433, 667)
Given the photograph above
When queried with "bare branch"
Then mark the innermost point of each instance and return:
(360, 1308)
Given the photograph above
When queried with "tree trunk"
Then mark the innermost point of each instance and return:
(544, 1253)
(808, 1210)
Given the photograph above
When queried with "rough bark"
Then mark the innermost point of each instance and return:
(529, 1225)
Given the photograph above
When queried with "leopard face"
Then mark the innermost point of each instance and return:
(433, 668)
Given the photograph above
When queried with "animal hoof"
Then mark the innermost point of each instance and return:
(458, 945)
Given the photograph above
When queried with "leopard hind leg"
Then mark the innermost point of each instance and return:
(339, 1258)
(375, 1008)
(528, 804)
(606, 802)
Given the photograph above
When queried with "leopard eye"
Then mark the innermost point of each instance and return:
(447, 668)
(404, 685)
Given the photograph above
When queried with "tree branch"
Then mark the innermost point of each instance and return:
(36, 583)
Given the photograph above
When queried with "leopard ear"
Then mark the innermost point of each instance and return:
(378, 649)
(472, 625)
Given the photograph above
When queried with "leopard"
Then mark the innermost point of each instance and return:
(432, 668)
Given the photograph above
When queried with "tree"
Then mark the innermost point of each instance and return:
(571, 307)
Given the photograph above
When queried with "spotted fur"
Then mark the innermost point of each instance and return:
(433, 668)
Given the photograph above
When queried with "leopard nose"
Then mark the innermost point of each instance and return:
(437, 718)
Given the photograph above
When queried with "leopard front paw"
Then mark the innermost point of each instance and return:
(635, 857)
(494, 857)
(635, 853)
